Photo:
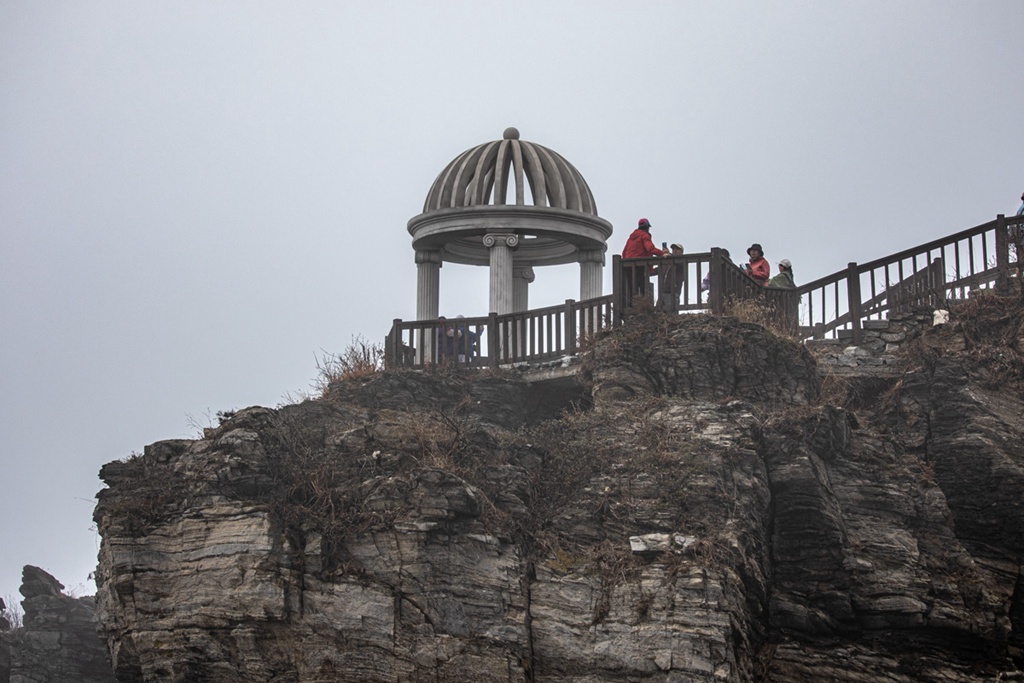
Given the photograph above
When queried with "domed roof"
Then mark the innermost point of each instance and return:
(481, 176)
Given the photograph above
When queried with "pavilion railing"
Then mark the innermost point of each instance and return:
(495, 340)
(980, 258)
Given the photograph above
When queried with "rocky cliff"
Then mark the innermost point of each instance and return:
(58, 642)
(697, 505)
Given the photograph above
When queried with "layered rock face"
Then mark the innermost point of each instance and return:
(58, 642)
(5, 644)
(700, 514)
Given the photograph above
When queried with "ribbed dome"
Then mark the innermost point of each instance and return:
(481, 176)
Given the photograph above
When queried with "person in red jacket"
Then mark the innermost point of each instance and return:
(639, 245)
(758, 268)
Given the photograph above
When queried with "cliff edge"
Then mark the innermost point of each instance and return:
(698, 506)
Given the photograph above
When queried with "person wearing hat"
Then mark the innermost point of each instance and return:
(639, 245)
(758, 267)
(784, 280)
(671, 276)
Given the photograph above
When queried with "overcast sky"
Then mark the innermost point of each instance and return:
(198, 198)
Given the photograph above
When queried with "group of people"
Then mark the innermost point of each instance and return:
(758, 269)
(671, 276)
(455, 341)
(640, 245)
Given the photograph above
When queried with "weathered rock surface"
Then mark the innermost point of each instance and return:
(703, 519)
(5, 643)
(58, 642)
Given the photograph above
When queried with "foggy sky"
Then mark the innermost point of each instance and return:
(197, 199)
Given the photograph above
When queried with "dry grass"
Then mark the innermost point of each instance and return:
(835, 390)
(360, 359)
(986, 333)
(761, 312)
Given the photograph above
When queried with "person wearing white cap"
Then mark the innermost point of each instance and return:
(784, 280)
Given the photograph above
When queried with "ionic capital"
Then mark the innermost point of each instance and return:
(492, 240)
(524, 273)
(591, 256)
(428, 256)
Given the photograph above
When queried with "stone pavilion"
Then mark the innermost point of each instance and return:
(513, 206)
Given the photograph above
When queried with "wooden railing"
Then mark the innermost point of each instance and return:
(495, 340)
(681, 284)
(982, 257)
(679, 280)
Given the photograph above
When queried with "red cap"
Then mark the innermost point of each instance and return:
(643, 223)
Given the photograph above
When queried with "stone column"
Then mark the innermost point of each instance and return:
(428, 284)
(591, 273)
(501, 245)
(522, 276)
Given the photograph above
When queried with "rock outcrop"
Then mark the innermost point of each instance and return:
(58, 642)
(5, 643)
(697, 512)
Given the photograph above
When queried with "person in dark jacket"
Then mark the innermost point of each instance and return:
(784, 280)
(671, 276)
(447, 341)
(639, 245)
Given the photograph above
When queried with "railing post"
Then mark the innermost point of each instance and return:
(570, 328)
(791, 310)
(393, 348)
(853, 296)
(617, 294)
(715, 285)
(1002, 256)
(937, 282)
(493, 337)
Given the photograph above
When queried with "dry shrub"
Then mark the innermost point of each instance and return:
(442, 439)
(835, 390)
(761, 312)
(11, 614)
(585, 463)
(339, 491)
(360, 359)
(316, 488)
(986, 333)
(616, 566)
